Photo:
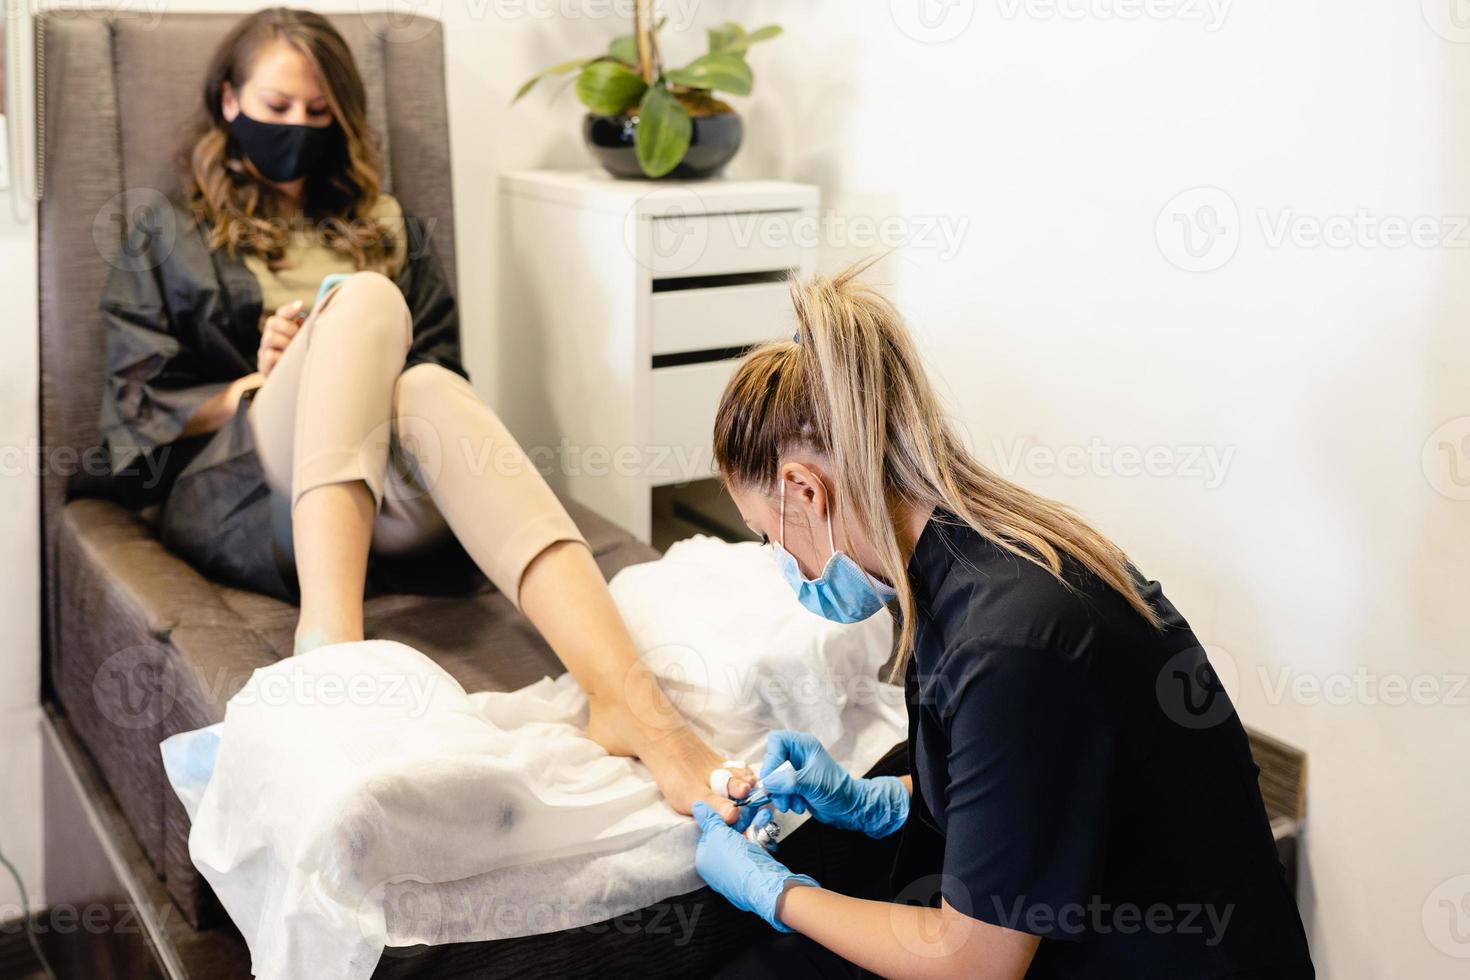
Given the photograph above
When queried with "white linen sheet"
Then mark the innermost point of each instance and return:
(357, 797)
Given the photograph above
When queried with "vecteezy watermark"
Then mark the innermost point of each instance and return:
(412, 446)
(681, 14)
(666, 463)
(401, 21)
(1445, 458)
(669, 230)
(1099, 917)
(419, 454)
(940, 234)
(689, 680)
(68, 918)
(1362, 229)
(1210, 14)
(30, 458)
(932, 21)
(450, 913)
(132, 690)
(412, 20)
(1450, 19)
(1446, 917)
(927, 935)
(1095, 915)
(669, 683)
(1204, 464)
(1362, 686)
(663, 462)
(814, 687)
(298, 689)
(135, 230)
(1193, 687)
(1199, 229)
(146, 13)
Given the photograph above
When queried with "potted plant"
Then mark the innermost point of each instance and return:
(648, 121)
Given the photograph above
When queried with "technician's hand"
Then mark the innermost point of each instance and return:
(877, 806)
(279, 330)
(739, 869)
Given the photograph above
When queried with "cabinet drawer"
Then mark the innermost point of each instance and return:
(720, 244)
(683, 404)
(721, 316)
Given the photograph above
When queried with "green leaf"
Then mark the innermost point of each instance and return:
(759, 35)
(664, 128)
(624, 49)
(560, 69)
(717, 70)
(732, 38)
(609, 88)
(722, 37)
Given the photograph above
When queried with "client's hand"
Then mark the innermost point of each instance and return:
(740, 870)
(877, 806)
(279, 330)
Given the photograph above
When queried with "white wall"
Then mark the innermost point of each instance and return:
(20, 595)
(1052, 137)
(1331, 551)
(1300, 509)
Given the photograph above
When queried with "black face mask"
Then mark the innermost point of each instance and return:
(280, 151)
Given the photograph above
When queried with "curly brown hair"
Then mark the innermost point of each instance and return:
(241, 209)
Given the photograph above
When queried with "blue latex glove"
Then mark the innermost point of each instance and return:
(740, 870)
(877, 806)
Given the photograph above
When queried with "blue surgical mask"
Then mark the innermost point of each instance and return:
(844, 593)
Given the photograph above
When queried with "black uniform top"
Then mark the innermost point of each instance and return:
(1081, 776)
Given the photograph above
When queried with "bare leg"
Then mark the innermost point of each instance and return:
(515, 529)
(564, 595)
(331, 528)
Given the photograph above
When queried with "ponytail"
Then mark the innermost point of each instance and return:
(850, 387)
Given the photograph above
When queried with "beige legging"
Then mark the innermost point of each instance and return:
(339, 407)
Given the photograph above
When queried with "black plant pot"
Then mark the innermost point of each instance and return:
(713, 143)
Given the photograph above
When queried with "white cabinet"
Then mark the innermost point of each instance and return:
(711, 317)
(625, 306)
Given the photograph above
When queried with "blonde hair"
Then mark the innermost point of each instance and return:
(851, 388)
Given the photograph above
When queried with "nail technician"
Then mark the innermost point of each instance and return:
(1083, 802)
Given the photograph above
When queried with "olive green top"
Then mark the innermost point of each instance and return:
(308, 261)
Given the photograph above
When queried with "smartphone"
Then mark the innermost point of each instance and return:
(327, 283)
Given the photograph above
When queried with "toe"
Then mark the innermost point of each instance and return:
(728, 811)
(742, 781)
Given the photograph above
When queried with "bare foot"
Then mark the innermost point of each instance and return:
(680, 761)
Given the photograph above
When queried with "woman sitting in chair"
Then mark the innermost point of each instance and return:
(290, 437)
